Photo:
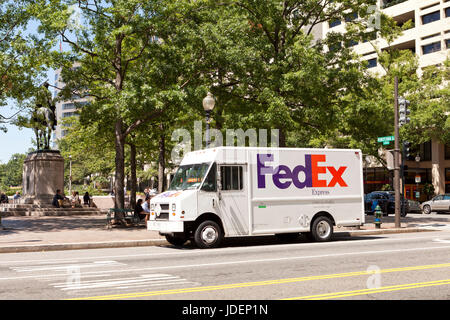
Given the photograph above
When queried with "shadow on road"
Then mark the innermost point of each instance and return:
(269, 240)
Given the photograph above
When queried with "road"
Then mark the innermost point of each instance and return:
(395, 266)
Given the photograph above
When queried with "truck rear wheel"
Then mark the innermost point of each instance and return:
(208, 235)
(322, 229)
(176, 240)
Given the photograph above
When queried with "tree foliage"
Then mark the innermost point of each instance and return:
(11, 172)
(23, 56)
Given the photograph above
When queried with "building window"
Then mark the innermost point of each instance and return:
(370, 36)
(431, 17)
(69, 114)
(447, 12)
(447, 152)
(447, 43)
(350, 17)
(351, 43)
(231, 177)
(432, 47)
(447, 180)
(66, 106)
(334, 23)
(390, 3)
(425, 151)
(372, 63)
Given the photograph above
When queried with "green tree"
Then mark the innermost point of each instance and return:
(11, 172)
(261, 61)
(91, 153)
(23, 57)
(108, 47)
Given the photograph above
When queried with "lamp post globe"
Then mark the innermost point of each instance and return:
(209, 102)
(208, 106)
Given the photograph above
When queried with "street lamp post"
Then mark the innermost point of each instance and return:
(396, 157)
(417, 178)
(208, 106)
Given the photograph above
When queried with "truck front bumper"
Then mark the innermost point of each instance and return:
(165, 226)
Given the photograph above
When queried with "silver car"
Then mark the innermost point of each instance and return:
(438, 203)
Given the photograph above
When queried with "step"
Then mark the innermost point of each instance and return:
(70, 212)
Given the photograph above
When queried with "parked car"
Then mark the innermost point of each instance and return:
(414, 206)
(380, 197)
(440, 203)
(386, 201)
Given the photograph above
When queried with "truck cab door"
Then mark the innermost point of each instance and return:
(208, 199)
(233, 203)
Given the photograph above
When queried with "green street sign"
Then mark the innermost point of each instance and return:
(386, 140)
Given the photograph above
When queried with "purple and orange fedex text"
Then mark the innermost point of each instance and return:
(283, 177)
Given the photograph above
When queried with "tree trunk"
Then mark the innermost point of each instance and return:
(119, 201)
(282, 138)
(133, 186)
(161, 161)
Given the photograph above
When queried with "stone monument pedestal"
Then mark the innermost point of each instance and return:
(43, 174)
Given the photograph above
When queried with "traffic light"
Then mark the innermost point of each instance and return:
(407, 150)
(403, 111)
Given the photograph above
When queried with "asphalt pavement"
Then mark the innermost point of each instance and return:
(405, 266)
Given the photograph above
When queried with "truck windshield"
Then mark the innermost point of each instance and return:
(189, 176)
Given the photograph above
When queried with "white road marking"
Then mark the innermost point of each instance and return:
(441, 241)
(141, 281)
(96, 264)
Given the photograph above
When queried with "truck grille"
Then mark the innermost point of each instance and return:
(164, 215)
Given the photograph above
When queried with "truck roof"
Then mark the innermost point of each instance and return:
(239, 154)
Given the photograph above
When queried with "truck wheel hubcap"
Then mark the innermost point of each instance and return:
(323, 229)
(209, 235)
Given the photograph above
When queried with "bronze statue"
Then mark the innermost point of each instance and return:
(43, 119)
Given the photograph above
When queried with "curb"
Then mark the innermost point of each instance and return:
(354, 233)
(157, 242)
(86, 245)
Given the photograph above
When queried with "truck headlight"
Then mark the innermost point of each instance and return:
(174, 207)
(152, 206)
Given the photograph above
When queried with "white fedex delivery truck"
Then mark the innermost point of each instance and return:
(246, 191)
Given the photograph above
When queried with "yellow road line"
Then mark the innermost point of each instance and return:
(343, 294)
(258, 283)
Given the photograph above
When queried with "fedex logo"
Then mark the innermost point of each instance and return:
(283, 176)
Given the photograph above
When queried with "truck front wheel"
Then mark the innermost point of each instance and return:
(322, 229)
(176, 240)
(208, 235)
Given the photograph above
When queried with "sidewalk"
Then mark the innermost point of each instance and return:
(21, 234)
(27, 234)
